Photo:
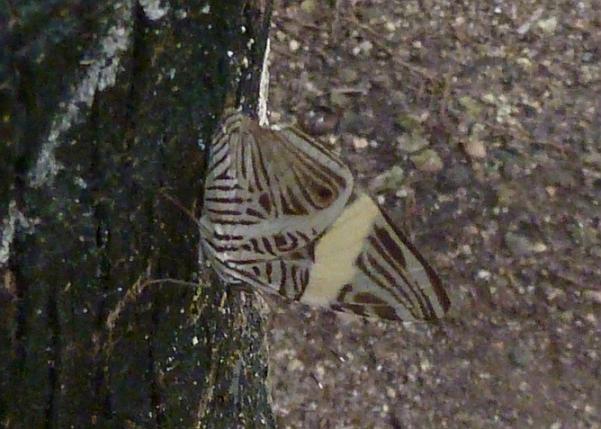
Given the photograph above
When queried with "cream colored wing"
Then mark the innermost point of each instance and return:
(277, 215)
(365, 265)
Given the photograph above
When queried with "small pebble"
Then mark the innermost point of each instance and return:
(428, 161)
(475, 148)
(412, 142)
(592, 295)
(360, 142)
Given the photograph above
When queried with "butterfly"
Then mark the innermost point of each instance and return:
(282, 214)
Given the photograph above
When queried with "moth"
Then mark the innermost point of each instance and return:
(282, 214)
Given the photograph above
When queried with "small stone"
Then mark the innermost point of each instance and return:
(320, 370)
(295, 364)
(551, 190)
(280, 35)
(566, 316)
(592, 295)
(382, 80)
(355, 123)
(483, 275)
(524, 62)
(457, 176)
(319, 123)
(364, 47)
(539, 247)
(511, 170)
(428, 161)
(348, 75)
(409, 123)
(554, 293)
(518, 244)
(593, 159)
(561, 177)
(339, 99)
(548, 25)
(402, 193)
(390, 180)
(519, 356)
(472, 107)
(596, 251)
(489, 98)
(390, 26)
(293, 45)
(505, 194)
(590, 318)
(360, 142)
(475, 148)
(412, 142)
(308, 6)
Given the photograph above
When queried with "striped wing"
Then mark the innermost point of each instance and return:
(278, 216)
(364, 265)
(269, 193)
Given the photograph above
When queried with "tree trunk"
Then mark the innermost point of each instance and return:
(105, 108)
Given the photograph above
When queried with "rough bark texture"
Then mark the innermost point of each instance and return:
(104, 107)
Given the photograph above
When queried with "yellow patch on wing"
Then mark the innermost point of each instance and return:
(337, 250)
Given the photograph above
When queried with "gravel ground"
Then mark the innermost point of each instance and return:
(478, 126)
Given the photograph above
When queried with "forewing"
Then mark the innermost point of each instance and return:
(271, 192)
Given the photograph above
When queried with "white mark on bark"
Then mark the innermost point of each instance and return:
(8, 230)
(264, 88)
(101, 73)
(153, 9)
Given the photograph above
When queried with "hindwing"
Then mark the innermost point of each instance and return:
(363, 264)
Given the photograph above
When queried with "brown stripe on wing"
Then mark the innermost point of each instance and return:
(388, 285)
(392, 254)
(378, 306)
(288, 277)
(319, 178)
(222, 188)
(323, 172)
(304, 190)
(317, 187)
(291, 205)
(435, 281)
(260, 164)
(323, 191)
(317, 145)
(364, 304)
(217, 163)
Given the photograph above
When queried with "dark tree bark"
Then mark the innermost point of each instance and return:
(105, 106)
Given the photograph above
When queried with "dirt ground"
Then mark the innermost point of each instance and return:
(478, 126)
